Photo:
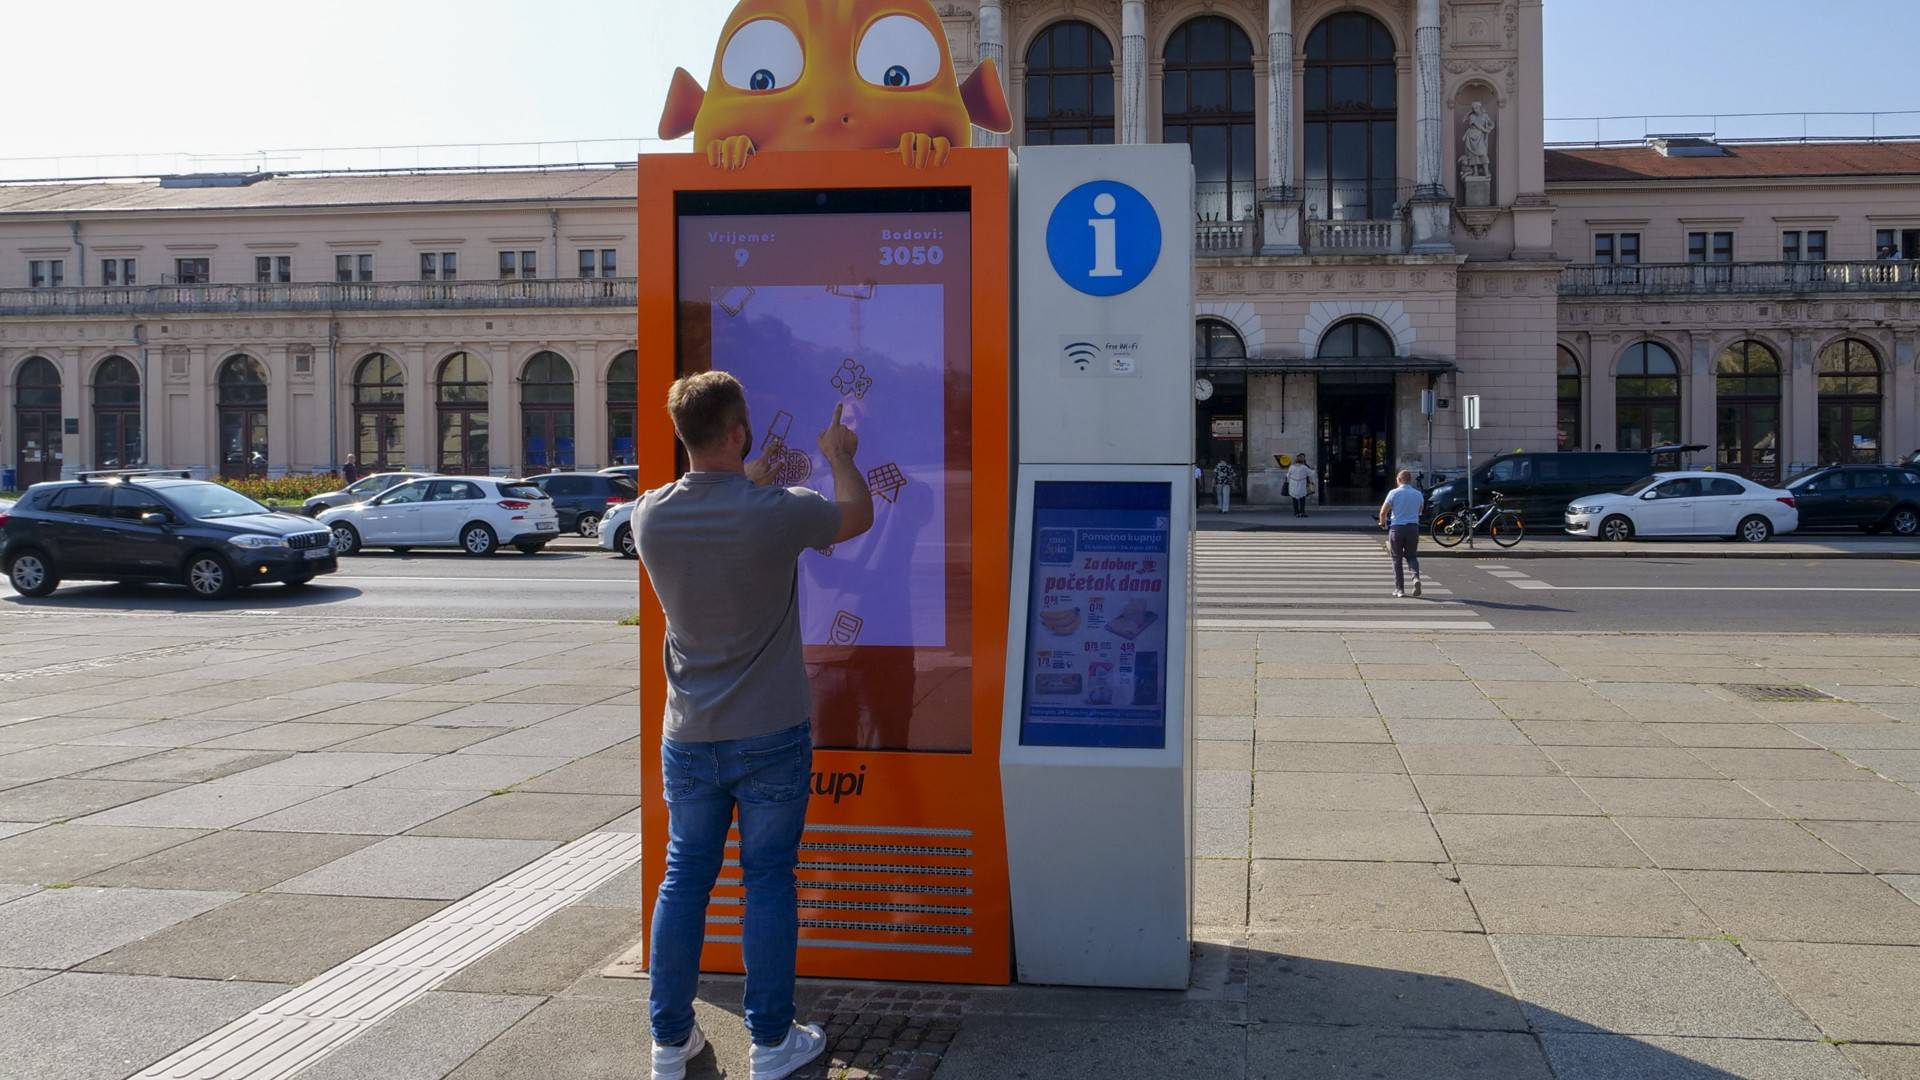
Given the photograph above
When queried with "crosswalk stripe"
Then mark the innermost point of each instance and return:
(1271, 581)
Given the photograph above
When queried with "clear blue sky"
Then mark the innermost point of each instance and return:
(226, 77)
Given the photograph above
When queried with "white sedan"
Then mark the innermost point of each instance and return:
(1686, 504)
(478, 514)
(616, 530)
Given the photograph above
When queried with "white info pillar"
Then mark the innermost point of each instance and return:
(1095, 762)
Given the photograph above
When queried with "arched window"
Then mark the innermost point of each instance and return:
(242, 388)
(623, 408)
(1849, 373)
(1206, 101)
(1566, 392)
(1349, 109)
(1646, 390)
(460, 422)
(1746, 395)
(1220, 420)
(1355, 337)
(1069, 86)
(116, 414)
(379, 414)
(1214, 340)
(546, 412)
(39, 447)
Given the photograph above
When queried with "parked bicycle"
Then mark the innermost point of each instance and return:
(1497, 518)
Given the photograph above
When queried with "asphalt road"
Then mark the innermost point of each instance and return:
(563, 582)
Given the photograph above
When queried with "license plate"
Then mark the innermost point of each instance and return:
(547, 526)
(319, 552)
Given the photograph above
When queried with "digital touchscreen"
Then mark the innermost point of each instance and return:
(1096, 659)
(818, 300)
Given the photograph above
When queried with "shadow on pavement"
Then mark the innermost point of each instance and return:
(176, 598)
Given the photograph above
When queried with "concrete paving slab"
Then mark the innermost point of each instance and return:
(267, 937)
(1388, 671)
(622, 891)
(426, 1039)
(294, 736)
(1582, 900)
(12, 979)
(1632, 761)
(174, 733)
(1536, 840)
(1745, 736)
(1219, 894)
(326, 768)
(1549, 701)
(266, 710)
(550, 957)
(1884, 1062)
(1675, 798)
(1475, 731)
(1231, 754)
(1234, 728)
(59, 800)
(1337, 729)
(1837, 800)
(15, 828)
(1308, 1052)
(1326, 757)
(219, 804)
(469, 772)
(1457, 760)
(1387, 836)
(1572, 733)
(58, 928)
(1854, 908)
(1315, 697)
(1854, 992)
(230, 860)
(382, 712)
(188, 765)
(367, 810)
(1888, 736)
(67, 853)
(486, 714)
(104, 1027)
(577, 1039)
(1215, 696)
(1555, 795)
(47, 762)
(521, 815)
(1638, 986)
(1336, 791)
(1757, 764)
(418, 739)
(1222, 787)
(1292, 895)
(1880, 846)
(1733, 844)
(1431, 700)
(1381, 979)
(1222, 832)
(1892, 764)
(1663, 1057)
(419, 867)
(995, 1047)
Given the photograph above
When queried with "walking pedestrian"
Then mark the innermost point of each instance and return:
(720, 546)
(1400, 516)
(1223, 476)
(1299, 484)
(350, 471)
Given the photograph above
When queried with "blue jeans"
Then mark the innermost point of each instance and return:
(767, 778)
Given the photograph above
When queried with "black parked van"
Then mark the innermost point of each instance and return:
(1543, 483)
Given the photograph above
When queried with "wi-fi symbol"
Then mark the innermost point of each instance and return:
(1082, 353)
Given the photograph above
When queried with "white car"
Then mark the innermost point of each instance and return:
(478, 514)
(616, 530)
(1686, 504)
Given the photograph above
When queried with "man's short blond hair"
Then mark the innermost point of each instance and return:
(1404, 476)
(705, 407)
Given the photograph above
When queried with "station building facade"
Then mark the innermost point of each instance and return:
(1376, 215)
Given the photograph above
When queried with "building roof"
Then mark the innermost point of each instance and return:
(288, 192)
(1738, 161)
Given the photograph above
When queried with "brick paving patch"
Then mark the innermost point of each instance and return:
(885, 1033)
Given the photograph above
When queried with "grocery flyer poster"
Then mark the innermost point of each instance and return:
(1097, 615)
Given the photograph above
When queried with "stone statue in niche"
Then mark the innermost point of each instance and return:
(1476, 174)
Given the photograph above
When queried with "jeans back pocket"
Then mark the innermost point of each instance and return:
(778, 773)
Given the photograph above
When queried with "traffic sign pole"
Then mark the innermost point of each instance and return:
(1470, 410)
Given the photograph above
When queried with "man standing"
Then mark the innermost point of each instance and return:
(720, 546)
(1223, 483)
(1400, 516)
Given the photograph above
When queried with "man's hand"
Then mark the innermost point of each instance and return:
(838, 442)
(760, 470)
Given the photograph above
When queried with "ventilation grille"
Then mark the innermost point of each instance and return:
(1764, 692)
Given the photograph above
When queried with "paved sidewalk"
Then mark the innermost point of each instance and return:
(1422, 856)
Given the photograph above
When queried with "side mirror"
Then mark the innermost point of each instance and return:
(155, 518)
(1650, 494)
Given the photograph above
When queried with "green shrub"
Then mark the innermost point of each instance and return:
(283, 489)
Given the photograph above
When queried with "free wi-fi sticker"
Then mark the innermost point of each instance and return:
(1091, 354)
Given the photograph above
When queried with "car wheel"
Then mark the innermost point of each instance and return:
(588, 525)
(346, 539)
(1755, 529)
(1616, 528)
(478, 539)
(1904, 521)
(32, 574)
(210, 577)
(317, 509)
(624, 542)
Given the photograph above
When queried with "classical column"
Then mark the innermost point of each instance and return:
(76, 452)
(1432, 229)
(991, 44)
(1280, 204)
(1802, 422)
(1901, 431)
(418, 418)
(1133, 71)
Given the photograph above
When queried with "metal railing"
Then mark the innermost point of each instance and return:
(1569, 131)
(321, 296)
(1339, 217)
(1652, 279)
(1356, 237)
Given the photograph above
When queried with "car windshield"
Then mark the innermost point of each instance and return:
(212, 501)
(1799, 480)
(1640, 485)
(521, 491)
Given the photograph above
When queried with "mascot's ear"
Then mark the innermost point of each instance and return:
(683, 105)
(986, 104)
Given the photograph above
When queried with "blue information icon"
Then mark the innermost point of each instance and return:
(1103, 238)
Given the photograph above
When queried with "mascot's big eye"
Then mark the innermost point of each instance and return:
(898, 51)
(762, 55)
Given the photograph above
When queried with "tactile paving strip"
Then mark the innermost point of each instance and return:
(296, 1029)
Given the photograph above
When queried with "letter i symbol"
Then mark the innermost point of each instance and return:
(1105, 257)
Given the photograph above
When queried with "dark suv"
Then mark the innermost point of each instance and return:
(582, 497)
(148, 526)
(1868, 497)
(1542, 484)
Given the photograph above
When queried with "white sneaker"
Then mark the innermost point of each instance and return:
(803, 1043)
(670, 1062)
(1397, 594)
(1416, 586)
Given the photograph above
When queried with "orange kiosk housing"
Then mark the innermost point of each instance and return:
(850, 278)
